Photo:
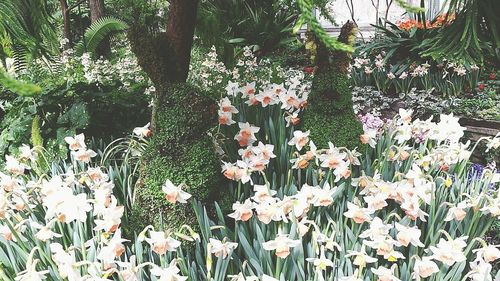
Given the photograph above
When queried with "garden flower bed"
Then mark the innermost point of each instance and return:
(203, 140)
(405, 206)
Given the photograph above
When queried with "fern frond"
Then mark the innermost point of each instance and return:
(97, 32)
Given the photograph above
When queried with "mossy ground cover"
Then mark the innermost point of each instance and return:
(180, 150)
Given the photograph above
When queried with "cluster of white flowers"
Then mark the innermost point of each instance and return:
(412, 192)
(214, 74)
(72, 200)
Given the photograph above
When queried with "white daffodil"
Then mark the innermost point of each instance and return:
(76, 143)
(425, 267)
(13, 166)
(171, 273)
(281, 244)
(160, 243)
(449, 251)
(221, 248)
(174, 193)
(488, 253)
(144, 131)
(384, 274)
(300, 139)
(361, 258)
(324, 196)
(262, 193)
(242, 212)
(114, 248)
(321, 263)
(84, 155)
(358, 214)
(407, 235)
(457, 212)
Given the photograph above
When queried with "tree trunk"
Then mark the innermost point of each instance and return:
(67, 24)
(180, 32)
(180, 148)
(97, 12)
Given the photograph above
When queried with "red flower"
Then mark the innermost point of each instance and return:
(309, 69)
(481, 87)
(492, 76)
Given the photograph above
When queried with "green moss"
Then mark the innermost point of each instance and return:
(181, 151)
(330, 116)
(36, 134)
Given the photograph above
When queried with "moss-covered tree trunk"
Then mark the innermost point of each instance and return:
(180, 149)
(330, 115)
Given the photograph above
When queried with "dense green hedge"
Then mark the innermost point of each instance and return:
(330, 116)
(180, 150)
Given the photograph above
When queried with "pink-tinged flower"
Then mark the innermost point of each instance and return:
(403, 75)
(267, 98)
(458, 212)
(242, 212)
(281, 244)
(384, 274)
(342, 171)
(270, 211)
(324, 196)
(425, 267)
(248, 90)
(226, 106)
(449, 251)
(292, 118)
(377, 201)
(488, 253)
(171, 273)
(13, 166)
(77, 142)
(160, 243)
(246, 135)
(84, 155)
(289, 100)
(113, 249)
(225, 118)
(237, 172)
(8, 183)
(264, 150)
(262, 193)
(144, 131)
(407, 235)
(358, 214)
(175, 193)
(300, 139)
(221, 248)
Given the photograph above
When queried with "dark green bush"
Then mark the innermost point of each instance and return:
(97, 112)
(329, 115)
(180, 150)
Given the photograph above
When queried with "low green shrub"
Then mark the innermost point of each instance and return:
(180, 150)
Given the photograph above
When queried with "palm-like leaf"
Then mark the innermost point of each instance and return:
(28, 27)
(97, 32)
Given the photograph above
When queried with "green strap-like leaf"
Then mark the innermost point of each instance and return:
(18, 87)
